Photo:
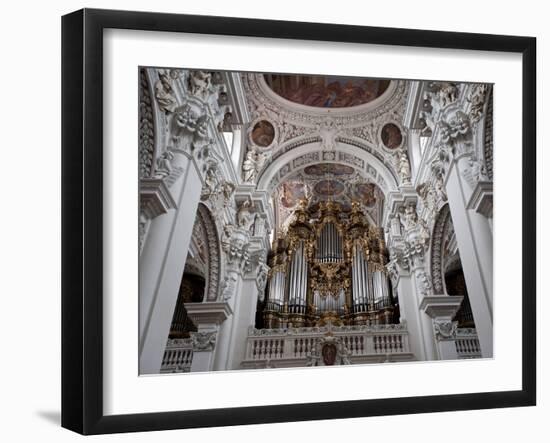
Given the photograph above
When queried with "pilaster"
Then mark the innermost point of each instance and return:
(442, 309)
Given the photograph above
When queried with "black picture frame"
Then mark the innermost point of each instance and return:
(82, 220)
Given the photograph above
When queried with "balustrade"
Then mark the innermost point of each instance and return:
(467, 344)
(178, 356)
(298, 343)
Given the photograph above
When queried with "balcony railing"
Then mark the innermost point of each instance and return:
(467, 343)
(178, 356)
(292, 346)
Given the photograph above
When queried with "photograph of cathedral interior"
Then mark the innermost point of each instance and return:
(306, 220)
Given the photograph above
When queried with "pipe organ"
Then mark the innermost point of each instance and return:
(329, 266)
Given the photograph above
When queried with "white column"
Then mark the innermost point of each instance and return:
(161, 268)
(410, 313)
(202, 361)
(475, 244)
(234, 335)
(442, 309)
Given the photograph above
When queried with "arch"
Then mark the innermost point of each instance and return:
(344, 152)
(147, 126)
(204, 217)
(440, 229)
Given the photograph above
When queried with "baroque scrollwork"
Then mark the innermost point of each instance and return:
(476, 99)
(146, 128)
(164, 90)
(445, 329)
(440, 227)
(441, 94)
(455, 132)
(203, 341)
(474, 172)
(212, 246)
(235, 244)
(189, 126)
(253, 164)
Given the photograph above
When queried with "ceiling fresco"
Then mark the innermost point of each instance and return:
(328, 188)
(326, 91)
(323, 169)
(292, 192)
(327, 181)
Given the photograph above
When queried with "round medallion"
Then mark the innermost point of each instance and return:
(263, 133)
(391, 136)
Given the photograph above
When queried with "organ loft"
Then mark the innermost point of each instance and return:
(329, 267)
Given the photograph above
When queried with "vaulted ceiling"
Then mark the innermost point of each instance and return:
(326, 137)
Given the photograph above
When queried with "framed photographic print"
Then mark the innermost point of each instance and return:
(278, 221)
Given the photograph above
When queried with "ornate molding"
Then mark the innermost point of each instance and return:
(146, 127)
(209, 228)
(455, 132)
(361, 124)
(164, 89)
(477, 98)
(481, 200)
(155, 197)
(344, 329)
(189, 126)
(445, 329)
(423, 283)
(474, 172)
(440, 227)
(235, 244)
(203, 341)
(441, 306)
(253, 164)
(340, 353)
(208, 313)
(262, 274)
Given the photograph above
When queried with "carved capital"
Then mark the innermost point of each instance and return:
(423, 283)
(203, 341)
(445, 329)
(455, 133)
(235, 244)
(189, 125)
